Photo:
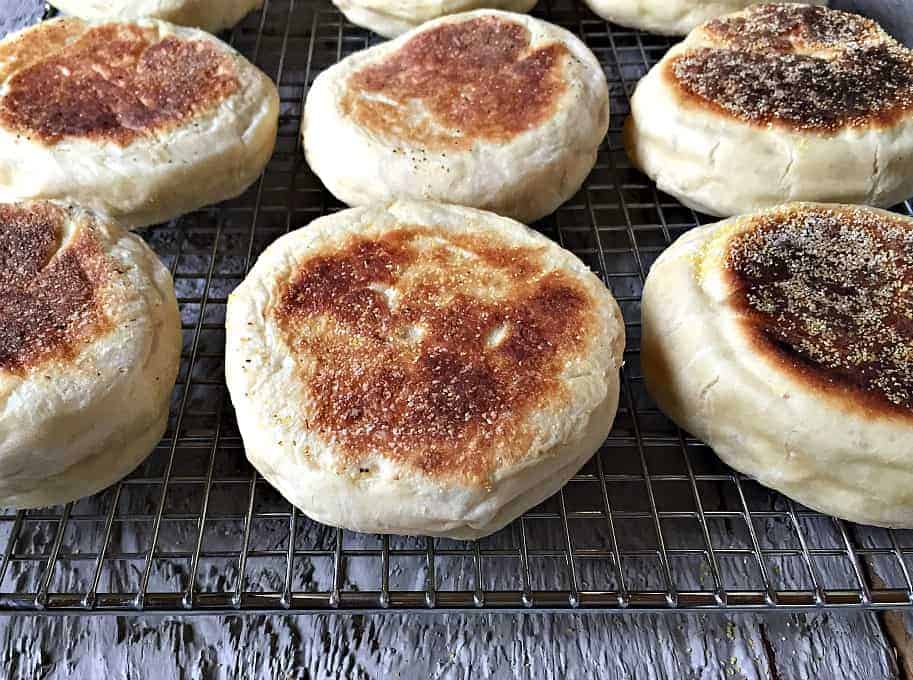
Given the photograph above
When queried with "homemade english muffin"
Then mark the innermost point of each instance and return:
(670, 17)
(486, 109)
(210, 15)
(418, 368)
(778, 103)
(90, 340)
(143, 121)
(784, 340)
(391, 18)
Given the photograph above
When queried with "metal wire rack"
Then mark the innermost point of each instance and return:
(654, 521)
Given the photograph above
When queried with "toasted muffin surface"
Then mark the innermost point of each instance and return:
(430, 348)
(52, 294)
(825, 294)
(476, 79)
(797, 67)
(115, 82)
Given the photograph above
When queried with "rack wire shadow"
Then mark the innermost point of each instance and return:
(654, 521)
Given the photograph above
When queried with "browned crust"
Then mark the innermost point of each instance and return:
(29, 47)
(448, 402)
(112, 82)
(797, 67)
(824, 294)
(50, 296)
(475, 79)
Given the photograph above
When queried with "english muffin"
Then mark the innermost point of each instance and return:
(778, 103)
(143, 121)
(486, 109)
(784, 340)
(417, 368)
(90, 340)
(391, 18)
(670, 17)
(210, 15)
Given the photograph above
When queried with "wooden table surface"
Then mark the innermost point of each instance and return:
(821, 645)
(641, 646)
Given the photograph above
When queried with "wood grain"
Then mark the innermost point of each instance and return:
(845, 646)
(16, 14)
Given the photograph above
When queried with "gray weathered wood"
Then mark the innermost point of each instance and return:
(15, 14)
(464, 646)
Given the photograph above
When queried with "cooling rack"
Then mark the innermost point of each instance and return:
(653, 522)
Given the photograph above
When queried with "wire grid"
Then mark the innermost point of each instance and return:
(654, 521)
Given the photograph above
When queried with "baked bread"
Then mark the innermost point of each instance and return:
(778, 103)
(90, 340)
(486, 109)
(143, 121)
(417, 368)
(783, 339)
(670, 17)
(210, 15)
(391, 18)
